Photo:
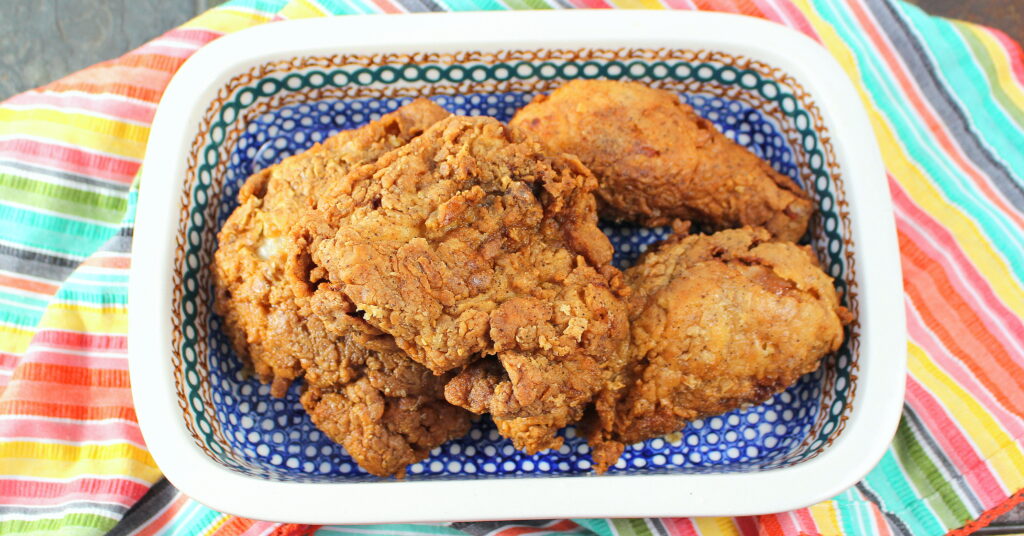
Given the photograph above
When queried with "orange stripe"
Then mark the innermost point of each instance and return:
(233, 527)
(28, 285)
(44, 392)
(124, 262)
(67, 411)
(769, 524)
(68, 375)
(959, 328)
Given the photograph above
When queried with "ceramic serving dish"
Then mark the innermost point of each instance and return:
(250, 99)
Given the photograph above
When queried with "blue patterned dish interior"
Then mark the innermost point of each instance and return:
(278, 437)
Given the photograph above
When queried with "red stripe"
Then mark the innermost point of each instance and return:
(387, 7)
(1013, 53)
(518, 530)
(802, 23)
(71, 159)
(82, 431)
(747, 525)
(955, 445)
(154, 524)
(592, 4)
(915, 222)
(77, 359)
(680, 526)
(953, 320)
(82, 341)
(120, 261)
(41, 493)
(191, 35)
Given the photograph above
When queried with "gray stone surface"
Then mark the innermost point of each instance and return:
(42, 40)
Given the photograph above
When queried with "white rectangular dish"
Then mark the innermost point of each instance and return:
(251, 98)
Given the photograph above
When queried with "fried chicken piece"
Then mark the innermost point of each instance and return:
(385, 409)
(471, 241)
(718, 322)
(260, 315)
(657, 160)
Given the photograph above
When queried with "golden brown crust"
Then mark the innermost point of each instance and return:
(469, 241)
(365, 393)
(385, 409)
(718, 322)
(658, 160)
(261, 317)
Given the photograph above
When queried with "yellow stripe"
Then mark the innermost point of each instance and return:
(302, 9)
(226, 20)
(48, 460)
(86, 139)
(112, 319)
(213, 527)
(716, 526)
(14, 340)
(42, 468)
(919, 187)
(637, 4)
(1001, 62)
(826, 517)
(91, 123)
(985, 432)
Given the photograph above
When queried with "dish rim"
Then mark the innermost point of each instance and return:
(880, 377)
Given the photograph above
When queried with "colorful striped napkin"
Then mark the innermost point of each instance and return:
(946, 100)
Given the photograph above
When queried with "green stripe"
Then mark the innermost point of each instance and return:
(889, 483)
(919, 144)
(73, 524)
(926, 477)
(631, 527)
(527, 4)
(959, 72)
(984, 60)
(600, 527)
(62, 199)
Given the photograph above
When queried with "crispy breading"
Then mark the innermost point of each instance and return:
(260, 315)
(718, 322)
(470, 241)
(385, 409)
(657, 160)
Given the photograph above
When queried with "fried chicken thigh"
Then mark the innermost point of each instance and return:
(657, 160)
(260, 315)
(468, 242)
(718, 322)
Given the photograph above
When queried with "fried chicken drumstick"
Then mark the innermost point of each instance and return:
(718, 322)
(657, 160)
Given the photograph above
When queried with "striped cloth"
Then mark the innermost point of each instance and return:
(946, 100)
